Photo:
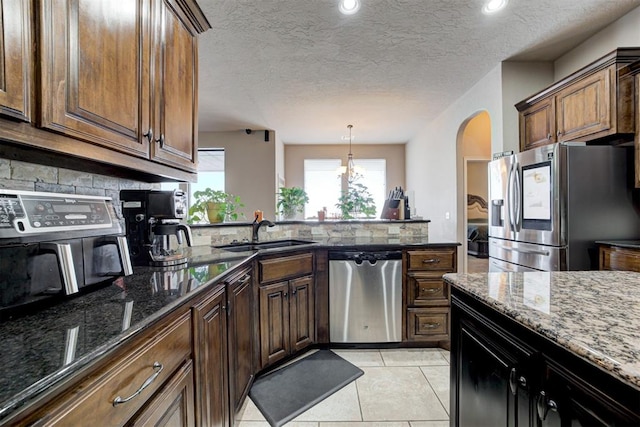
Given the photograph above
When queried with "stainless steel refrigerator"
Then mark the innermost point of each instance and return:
(550, 204)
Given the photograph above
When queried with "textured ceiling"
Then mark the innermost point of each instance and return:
(301, 68)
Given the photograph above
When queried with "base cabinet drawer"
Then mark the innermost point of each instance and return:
(173, 406)
(427, 290)
(428, 324)
(432, 260)
(115, 394)
(618, 258)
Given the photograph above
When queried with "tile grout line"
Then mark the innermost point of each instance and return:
(434, 390)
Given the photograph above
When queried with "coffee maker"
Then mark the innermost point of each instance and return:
(154, 231)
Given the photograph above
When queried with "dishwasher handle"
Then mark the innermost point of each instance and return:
(360, 256)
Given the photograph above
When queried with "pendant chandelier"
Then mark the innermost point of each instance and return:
(351, 171)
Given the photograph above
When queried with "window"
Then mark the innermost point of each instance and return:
(374, 178)
(323, 186)
(210, 173)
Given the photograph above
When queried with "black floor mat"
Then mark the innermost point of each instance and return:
(283, 394)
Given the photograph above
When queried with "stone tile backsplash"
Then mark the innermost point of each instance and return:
(17, 175)
(227, 233)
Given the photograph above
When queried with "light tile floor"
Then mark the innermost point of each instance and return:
(399, 388)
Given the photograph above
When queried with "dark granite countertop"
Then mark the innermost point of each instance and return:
(593, 314)
(46, 347)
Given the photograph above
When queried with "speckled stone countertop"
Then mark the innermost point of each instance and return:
(46, 347)
(593, 314)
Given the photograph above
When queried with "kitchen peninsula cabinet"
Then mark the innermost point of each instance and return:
(287, 306)
(211, 361)
(504, 373)
(123, 76)
(426, 299)
(15, 59)
(594, 103)
(240, 336)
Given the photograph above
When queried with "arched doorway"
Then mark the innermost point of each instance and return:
(473, 152)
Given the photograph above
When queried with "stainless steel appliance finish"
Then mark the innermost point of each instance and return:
(550, 204)
(365, 297)
(54, 245)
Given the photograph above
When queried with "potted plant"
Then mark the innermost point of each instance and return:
(356, 201)
(217, 205)
(291, 201)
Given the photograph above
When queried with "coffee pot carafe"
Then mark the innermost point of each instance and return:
(156, 236)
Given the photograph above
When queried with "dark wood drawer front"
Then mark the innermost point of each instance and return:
(427, 324)
(616, 258)
(285, 267)
(432, 260)
(427, 291)
(94, 399)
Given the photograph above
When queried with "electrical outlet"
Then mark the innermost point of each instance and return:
(394, 229)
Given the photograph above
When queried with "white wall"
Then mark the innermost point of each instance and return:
(625, 32)
(519, 81)
(431, 155)
(250, 168)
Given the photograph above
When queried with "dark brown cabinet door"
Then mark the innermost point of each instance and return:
(538, 124)
(301, 313)
(584, 108)
(173, 406)
(240, 337)
(15, 58)
(274, 322)
(210, 347)
(175, 84)
(94, 71)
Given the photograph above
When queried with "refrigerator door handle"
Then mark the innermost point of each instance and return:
(510, 201)
(517, 196)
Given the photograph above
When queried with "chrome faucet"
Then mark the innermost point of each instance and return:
(256, 227)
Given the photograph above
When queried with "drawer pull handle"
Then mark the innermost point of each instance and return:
(157, 367)
(430, 290)
(431, 261)
(431, 325)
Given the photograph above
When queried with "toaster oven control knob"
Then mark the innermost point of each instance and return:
(39, 208)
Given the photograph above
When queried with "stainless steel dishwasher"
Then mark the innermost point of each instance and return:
(365, 296)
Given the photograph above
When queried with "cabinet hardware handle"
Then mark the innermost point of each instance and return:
(429, 290)
(549, 136)
(431, 261)
(294, 292)
(513, 384)
(157, 368)
(544, 404)
(245, 278)
(161, 140)
(148, 135)
(559, 133)
(431, 325)
(286, 294)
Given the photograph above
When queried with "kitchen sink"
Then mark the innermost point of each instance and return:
(242, 247)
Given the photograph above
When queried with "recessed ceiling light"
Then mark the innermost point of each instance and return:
(492, 6)
(349, 7)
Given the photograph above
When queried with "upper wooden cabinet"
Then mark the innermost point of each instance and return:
(122, 75)
(175, 82)
(596, 102)
(15, 58)
(95, 81)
